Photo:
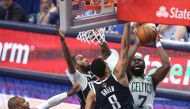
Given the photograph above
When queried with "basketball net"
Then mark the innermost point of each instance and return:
(93, 36)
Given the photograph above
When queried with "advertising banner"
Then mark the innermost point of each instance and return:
(43, 53)
(154, 11)
(36, 93)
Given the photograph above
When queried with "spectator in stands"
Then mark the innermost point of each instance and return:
(118, 29)
(9, 10)
(53, 17)
(174, 32)
(188, 32)
(45, 7)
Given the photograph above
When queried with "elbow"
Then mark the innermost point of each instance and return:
(167, 66)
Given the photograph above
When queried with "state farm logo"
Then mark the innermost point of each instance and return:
(173, 13)
(162, 12)
(18, 53)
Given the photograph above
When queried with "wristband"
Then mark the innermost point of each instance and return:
(158, 44)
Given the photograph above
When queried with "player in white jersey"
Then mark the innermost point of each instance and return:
(143, 91)
(143, 86)
(20, 103)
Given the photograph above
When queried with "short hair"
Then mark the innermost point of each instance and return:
(12, 103)
(98, 67)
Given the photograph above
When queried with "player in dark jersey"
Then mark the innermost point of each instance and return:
(79, 68)
(112, 90)
(188, 34)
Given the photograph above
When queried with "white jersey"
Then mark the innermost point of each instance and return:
(112, 59)
(143, 92)
(82, 78)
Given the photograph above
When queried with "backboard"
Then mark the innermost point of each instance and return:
(172, 12)
(86, 14)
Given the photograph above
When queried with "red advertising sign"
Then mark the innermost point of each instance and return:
(43, 53)
(155, 11)
(179, 74)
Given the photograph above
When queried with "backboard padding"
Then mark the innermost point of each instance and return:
(69, 24)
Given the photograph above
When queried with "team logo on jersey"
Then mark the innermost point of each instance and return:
(104, 85)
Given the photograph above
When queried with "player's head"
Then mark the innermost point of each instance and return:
(6, 3)
(137, 65)
(18, 103)
(81, 63)
(100, 68)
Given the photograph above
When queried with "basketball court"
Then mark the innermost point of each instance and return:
(97, 17)
(91, 20)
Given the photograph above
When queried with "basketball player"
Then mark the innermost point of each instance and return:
(79, 67)
(143, 86)
(20, 103)
(112, 90)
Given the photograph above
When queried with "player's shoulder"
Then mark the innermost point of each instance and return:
(68, 73)
(144, 77)
(113, 58)
(107, 79)
(149, 77)
(90, 76)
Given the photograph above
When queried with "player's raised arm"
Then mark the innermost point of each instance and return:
(161, 72)
(132, 51)
(134, 48)
(57, 99)
(90, 101)
(73, 75)
(105, 50)
(122, 63)
(66, 51)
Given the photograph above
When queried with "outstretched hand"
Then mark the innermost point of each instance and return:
(76, 87)
(137, 41)
(61, 33)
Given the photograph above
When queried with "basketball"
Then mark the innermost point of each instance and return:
(146, 33)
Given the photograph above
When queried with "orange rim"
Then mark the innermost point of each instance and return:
(106, 1)
(98, 7)
(92, 7)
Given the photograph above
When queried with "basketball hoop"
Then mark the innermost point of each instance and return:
(83, 15)
(93, 36)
